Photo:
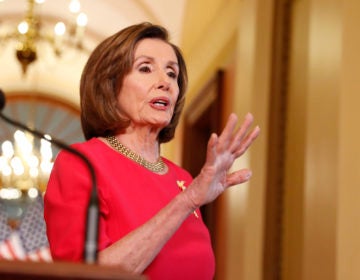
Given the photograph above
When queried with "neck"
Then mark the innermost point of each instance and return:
(144, 144)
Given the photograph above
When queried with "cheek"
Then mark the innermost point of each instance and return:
(133, 93)
(176, 95)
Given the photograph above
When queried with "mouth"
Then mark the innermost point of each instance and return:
(160, 102)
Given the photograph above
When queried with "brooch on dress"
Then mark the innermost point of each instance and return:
(183, 188)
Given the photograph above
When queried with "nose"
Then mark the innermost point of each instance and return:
(163, 82)
(163, 86)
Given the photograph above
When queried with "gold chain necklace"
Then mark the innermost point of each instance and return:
(157, 167)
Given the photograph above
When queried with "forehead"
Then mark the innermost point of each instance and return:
(156, 48)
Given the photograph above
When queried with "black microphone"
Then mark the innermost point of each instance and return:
(91, 235)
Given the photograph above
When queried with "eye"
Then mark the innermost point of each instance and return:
(145, 68)
(172, 74)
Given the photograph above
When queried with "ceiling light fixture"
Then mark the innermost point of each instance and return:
(30, 31)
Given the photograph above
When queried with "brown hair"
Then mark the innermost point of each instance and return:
(103, 75)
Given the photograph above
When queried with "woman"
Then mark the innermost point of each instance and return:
(132, 93)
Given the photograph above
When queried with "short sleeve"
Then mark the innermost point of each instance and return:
(65, 204)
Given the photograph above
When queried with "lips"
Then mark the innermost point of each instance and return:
(160, 103)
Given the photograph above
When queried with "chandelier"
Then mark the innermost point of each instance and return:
(30, 31)
(25, 166)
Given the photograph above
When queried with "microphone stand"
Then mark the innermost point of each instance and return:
(91, 235)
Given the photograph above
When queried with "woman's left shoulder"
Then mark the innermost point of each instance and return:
(176, 168)
(171, 164)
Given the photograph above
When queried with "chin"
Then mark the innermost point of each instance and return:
(161, 123)
(159, 120)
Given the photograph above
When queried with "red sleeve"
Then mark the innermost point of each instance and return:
(65, 205)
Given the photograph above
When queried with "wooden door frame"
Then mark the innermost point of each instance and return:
(208, 105)
(274, 197)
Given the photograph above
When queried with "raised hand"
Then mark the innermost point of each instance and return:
(222, 151)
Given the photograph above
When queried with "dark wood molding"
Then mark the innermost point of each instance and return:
(12, 270)
(15, 96)
(274, 198)
(203, 117)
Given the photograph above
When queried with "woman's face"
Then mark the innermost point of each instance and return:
(149, 92)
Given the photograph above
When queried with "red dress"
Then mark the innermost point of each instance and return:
(129, 196)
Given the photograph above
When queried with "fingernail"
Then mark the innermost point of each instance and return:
(249, 115)
(248, 175)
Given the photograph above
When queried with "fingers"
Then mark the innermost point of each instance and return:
(240, 134)
(245, 143)
(211, 149)
(238, 177)
(226, 135)
(232, 144)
